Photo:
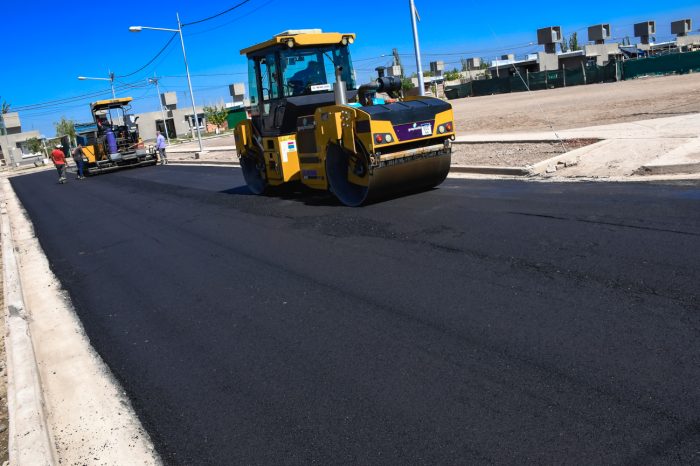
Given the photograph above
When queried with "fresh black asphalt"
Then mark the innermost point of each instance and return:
(482, 322)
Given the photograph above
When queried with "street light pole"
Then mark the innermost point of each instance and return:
(416, 44)
(110, 79)
(154, 80)
(189, 83)
(187, 70)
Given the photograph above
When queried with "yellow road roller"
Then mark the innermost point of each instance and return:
(311, 123)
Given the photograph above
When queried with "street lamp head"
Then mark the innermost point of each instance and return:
(135, 29)
(82, 78)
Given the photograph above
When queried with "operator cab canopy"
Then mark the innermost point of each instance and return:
(111, 103)
(295, 70)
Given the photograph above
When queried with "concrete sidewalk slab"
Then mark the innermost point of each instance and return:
(683, 159)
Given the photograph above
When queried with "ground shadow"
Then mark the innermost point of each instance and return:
(313, 197)
(296, 193)
(238, 191)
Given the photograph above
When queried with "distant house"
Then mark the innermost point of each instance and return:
(13, 141)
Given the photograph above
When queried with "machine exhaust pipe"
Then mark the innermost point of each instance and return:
(340, 88)
(389, 84)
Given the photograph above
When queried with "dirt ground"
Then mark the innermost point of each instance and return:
(502, 154)
(579, 106)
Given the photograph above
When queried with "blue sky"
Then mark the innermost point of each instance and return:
(49, 44)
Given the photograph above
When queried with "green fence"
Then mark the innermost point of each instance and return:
(536, 81)
(675, 63)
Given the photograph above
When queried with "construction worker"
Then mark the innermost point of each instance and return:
(59, 161)
(160, 147)
(312, 74)
(79, 158)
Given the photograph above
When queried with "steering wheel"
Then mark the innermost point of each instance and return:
(296, 87)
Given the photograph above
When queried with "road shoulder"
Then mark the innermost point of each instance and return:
(89, 417)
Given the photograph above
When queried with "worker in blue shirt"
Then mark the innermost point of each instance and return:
(160, 147)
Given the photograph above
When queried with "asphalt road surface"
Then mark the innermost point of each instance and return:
(481, 322)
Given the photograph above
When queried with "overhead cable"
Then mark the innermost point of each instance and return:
(152, 59)
(238, 18)
(217, 15)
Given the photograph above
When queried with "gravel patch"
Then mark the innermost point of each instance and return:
(512, 154)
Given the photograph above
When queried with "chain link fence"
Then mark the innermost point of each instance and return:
(676, 63)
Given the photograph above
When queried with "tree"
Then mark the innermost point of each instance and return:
(452, 75)
(34, 145)
(65, 127)
(573, 42)
(216, 115)
(4, 107)
(406, 84)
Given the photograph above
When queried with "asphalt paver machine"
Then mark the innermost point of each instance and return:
(311, 123)
(111, 141)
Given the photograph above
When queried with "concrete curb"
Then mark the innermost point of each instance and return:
(544, 167)
(508, 171)
(204, 163)
(488, 170)
(208, 149)
(510, 141)
(673, 169)
(29, 438)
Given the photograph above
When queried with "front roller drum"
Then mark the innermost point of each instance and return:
(400, 177)
(253, 168)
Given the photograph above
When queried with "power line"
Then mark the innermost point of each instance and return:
(202, 75)
(58, 103)
(152, 59)
(63, 100)
(217, 15)
(233, 20)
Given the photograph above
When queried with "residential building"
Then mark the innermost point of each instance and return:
(13, 141)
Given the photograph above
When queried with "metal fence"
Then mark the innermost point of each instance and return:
(677, 63)
(673, 63)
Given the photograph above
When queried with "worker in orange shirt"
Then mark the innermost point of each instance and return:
(59, 161)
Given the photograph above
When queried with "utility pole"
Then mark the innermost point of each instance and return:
(154, 80)
(416, 44)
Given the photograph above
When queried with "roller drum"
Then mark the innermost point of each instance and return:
(253, 168)
(387, 181)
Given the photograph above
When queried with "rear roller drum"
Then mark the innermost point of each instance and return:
(253, 167)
